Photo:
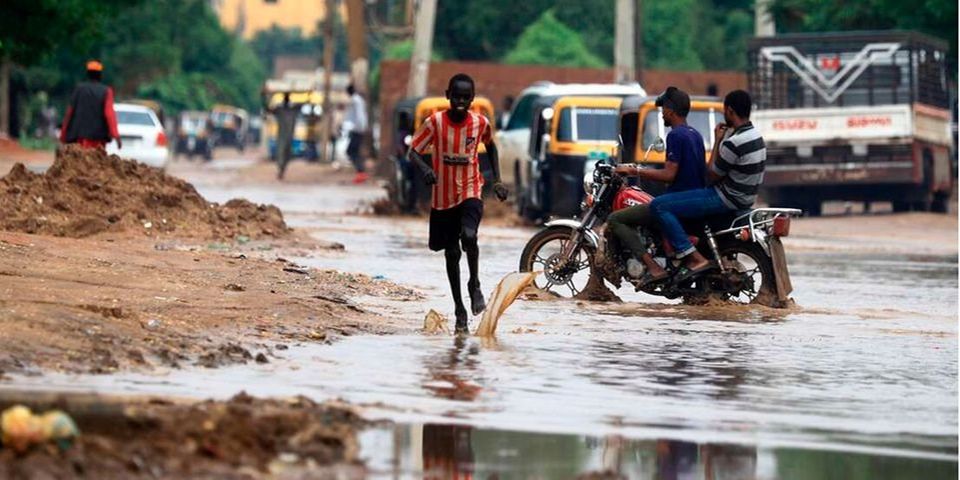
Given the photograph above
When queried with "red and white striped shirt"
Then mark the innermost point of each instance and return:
(455, 160)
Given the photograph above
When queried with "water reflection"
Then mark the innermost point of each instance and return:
(454, 373)
(440, 451)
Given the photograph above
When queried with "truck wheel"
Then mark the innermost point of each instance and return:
(940, 203)
(900, 206)
(814, 208)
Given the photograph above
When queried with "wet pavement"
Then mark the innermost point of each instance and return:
(859, 381)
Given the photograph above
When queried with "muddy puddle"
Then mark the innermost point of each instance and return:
(859, 381)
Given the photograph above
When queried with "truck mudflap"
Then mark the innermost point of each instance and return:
(780, 273)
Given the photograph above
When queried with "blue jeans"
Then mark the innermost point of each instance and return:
(669, 208)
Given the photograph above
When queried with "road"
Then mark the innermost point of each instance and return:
(858, 381)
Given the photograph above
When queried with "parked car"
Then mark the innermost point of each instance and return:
(142, 134)
(514, 140)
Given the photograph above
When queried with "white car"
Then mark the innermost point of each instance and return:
(142, 134)
(513, 141)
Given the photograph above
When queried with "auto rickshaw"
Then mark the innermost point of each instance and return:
(566, 133)
(641, 126)
(230, 125)
(307, 129)
(194, 135)
(409, 190)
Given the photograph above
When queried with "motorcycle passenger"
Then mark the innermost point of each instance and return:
(684, 170)
(736, 168)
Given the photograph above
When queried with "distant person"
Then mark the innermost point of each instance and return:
(356, 120)
(90, 120)
(286, 114)
(712, 90)
(504, 118)
(336, 131)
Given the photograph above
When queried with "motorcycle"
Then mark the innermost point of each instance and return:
(745, 246)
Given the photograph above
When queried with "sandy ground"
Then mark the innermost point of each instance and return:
(151, 438)
(99, 305)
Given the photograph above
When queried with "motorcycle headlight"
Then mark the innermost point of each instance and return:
(588, 170)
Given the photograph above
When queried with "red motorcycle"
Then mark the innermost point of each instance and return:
(745, 246)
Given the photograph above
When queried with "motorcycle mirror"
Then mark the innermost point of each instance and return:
(659, 146)
(547, 113)
(408, 140)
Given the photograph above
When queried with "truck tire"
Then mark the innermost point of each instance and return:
(940, 203)
(813, 208)
(900, 206)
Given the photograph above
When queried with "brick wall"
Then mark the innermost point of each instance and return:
(496, 81)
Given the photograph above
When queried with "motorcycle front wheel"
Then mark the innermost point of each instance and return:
(564, 277)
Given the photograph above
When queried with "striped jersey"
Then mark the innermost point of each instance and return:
(741, 163)
(455, 161)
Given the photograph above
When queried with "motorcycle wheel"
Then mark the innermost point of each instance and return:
(560, 278)
(751, 279)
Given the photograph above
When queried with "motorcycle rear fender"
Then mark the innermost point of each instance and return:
(592, 238)
(780, 273)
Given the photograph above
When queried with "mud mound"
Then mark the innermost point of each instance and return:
(240, 438)
(86, 192)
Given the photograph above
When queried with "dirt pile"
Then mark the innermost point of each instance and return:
(86, 192)
(240, 438)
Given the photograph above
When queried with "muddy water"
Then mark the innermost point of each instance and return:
(860, 382)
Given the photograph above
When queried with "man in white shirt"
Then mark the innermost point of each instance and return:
(356, 120)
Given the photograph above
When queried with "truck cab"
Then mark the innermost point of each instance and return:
(858, 116)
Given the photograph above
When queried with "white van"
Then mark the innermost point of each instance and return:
(514, 139)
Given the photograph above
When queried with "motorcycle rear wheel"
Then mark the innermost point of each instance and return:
(561, 278)
(754, 274)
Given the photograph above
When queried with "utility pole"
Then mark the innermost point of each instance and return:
(328, 49)
(422, 47)
(764, 26)
(623, 51)
(357, 45)
(638, 42)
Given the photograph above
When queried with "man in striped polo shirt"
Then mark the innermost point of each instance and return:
(454, 136)
(736, 168)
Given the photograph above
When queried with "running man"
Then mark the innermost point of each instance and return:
(456, 206)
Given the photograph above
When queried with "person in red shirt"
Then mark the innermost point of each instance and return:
(90, 120)
(456, 208)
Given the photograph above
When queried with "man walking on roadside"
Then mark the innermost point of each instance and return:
(90, 120)
(356, 120)
(684, 169)
(456, 207)
(736, 167)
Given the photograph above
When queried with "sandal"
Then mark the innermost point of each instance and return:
(647, 279)
(686, 273)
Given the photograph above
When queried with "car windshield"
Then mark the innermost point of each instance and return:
(134, 118)
(520, 116)
(579, 124)
(698, 119)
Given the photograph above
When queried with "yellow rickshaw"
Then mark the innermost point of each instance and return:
(567, 132)
(306, 130)
(641, 127)
(230, 125)
(409, 190)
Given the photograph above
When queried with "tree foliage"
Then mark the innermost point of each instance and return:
(549, 42)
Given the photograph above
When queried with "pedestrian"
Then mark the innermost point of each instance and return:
(286, 114)
(90, 120)
(356, 120)
(504, 118)
(456, 206)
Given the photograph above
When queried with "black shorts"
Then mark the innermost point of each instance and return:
(447, 226)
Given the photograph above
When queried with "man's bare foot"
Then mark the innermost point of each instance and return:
(461, 328)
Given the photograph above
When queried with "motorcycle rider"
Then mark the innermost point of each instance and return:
(456, 205)
(736, 166)
(684, 170)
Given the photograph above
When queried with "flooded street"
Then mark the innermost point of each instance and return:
(858, 381)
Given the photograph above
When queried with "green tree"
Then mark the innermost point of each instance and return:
(549, 42)
(267, 44)
(669, 34)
